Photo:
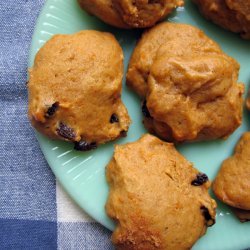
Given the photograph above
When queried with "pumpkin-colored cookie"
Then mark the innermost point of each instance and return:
(232, 184)
(104, 10)
(233, 15)
(189, 84)
(130, 14)
(181, 37)
(75, 89)
(159, 200)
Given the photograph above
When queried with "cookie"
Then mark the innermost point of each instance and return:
(141, 14)
(189, 84)
(75, 89)
(232, 184)
(130, 14)
(159, 200)
(105, 11)
(178, 37)
(248, 101)
(229, 14)
(196, 95)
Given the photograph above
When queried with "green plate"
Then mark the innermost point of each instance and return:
(83, 174)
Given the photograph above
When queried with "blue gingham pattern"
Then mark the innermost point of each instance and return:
(32, 214)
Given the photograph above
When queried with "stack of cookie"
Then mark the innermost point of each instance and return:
(189, 91)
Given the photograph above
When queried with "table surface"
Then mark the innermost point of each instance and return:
(35, 213)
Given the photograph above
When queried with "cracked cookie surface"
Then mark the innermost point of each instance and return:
(158, 198)
(189, 84)
(229, 14)
(129, 13)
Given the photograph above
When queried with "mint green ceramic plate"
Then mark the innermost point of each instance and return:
(83, 174)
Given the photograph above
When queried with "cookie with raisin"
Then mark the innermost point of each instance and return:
(189, 85)
(75, 89)
(158, 199)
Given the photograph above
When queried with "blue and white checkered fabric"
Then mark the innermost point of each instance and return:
(34, 211)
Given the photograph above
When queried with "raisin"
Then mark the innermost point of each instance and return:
(123, 133)
(200, 179)
(65, 131)
(52, 109)
(144, 109)
(207, 216)
(85, 146)
(114, 118)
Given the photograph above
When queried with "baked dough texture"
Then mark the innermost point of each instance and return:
(159, 200)
(233, 15)
(248, 101)
(189, 84)
(75, 88)
(130, 13)
(105, 11)
(232, 184)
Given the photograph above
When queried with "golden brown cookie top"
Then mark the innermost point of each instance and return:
(229, 14)
(241, 7)
(158, 199)
(128, 13)
(141, 14)
(189, 83)
(232, 184)
(193, 91)
(248, 101)
(104, 10)
(176, 37)
(75, 88)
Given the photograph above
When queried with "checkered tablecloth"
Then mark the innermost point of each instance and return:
(35, 213)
